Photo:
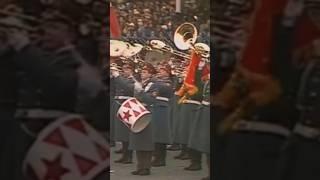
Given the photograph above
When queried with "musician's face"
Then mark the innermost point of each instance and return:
(145, 75)
(127, 71)
(163, 73)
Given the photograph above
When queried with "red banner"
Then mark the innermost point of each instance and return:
(257, 53)
(115, 29)
(191, 83)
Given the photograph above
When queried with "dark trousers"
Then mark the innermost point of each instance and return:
(209, 163)
(300, 159)
(126, 153)
(160, 152)
(13, 150)
(144, 159)
(252, 156)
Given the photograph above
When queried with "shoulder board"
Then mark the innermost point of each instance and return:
(146, 89)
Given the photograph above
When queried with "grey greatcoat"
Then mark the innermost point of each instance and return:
(143, 141)
(174, 115)
(124, 87)
(200, 133)
(160, 114)
(187, 114)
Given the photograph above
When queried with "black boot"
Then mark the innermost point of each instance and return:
(184, 155)
(174, 147)
(159, 155)
(195, 161)
(128, 157)
(126, 154)
(120, 151)
(141, 172)
(193, 167)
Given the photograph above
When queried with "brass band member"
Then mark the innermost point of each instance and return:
(160, 114)
(142, 142)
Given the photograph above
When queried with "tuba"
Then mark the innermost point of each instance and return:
(185, 38)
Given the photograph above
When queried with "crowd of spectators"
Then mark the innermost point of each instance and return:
(145, 20)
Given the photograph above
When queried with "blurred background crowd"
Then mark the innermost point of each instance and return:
(147, 20)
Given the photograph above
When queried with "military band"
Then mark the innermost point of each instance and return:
(174, 120)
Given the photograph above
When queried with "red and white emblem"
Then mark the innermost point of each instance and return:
(131, 113)
(67, 149)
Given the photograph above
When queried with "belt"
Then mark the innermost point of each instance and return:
(40, 113)
(206, 103)
(306, 131)
(191, 102)
(122, 97)
(163, 99)
(261, 127)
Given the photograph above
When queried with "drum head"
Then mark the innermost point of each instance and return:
(141, 124)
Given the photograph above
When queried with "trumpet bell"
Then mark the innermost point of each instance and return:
(132, 50)
(117, 48)
(185, 36)
(157, 44)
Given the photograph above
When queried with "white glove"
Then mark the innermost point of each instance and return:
(138, 87)
(201, 65)
(115, 73)
(18, 39)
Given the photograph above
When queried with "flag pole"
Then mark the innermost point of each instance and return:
(178, 6)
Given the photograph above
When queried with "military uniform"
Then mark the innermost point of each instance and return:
(200, 134)
(187, 115)
(124, 90)
(45, 92)
(7, 109)
(174, 113)
(143, 142)
(113, 111)
(301, 157)
(161, 121)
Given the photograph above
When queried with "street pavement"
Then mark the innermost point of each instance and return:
(173, 171)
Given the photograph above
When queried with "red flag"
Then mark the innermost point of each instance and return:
(257, 53)
(191, 84)
(115, 30)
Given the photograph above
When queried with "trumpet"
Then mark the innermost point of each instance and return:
(160, 45)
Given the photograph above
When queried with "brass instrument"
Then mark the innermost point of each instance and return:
(185, 38)
(160, 45)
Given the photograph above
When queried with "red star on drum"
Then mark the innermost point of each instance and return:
(127, 115)
(54, 169)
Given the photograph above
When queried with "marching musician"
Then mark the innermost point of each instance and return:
(47, 89)
(174, 110)
(124, 89)
(142, 142)
(113, 103)
(200, 133)
(188, 108)
(300, 74)
(160, 114)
